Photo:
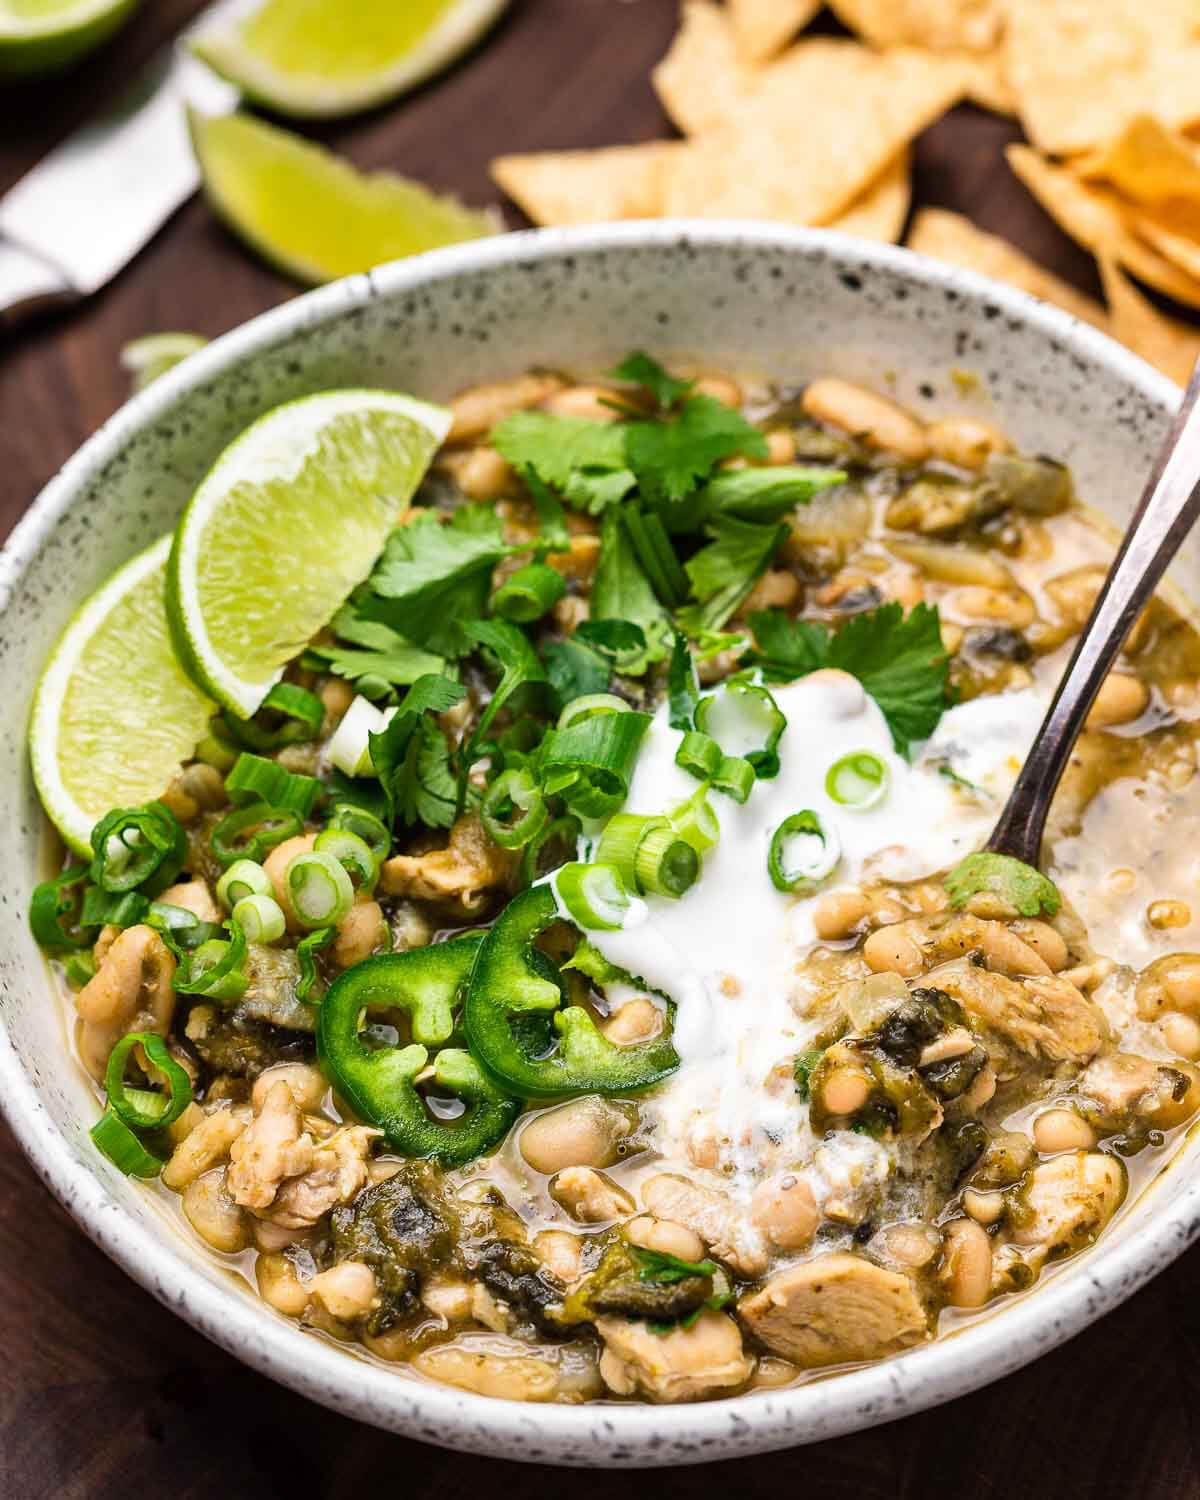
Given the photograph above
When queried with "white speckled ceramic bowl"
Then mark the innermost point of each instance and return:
(781, 302)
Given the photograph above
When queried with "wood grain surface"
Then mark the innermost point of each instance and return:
(103, 1393)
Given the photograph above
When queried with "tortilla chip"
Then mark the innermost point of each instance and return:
(763, 27)
(587, 187)
(1083, 69)
(987, 81)
(942, 25)
(821, 125)
(1182, 250)
(1150, 164)
(702, 82)
(950, 237)
(1095, 217)
(879, 212)
(1172, 346)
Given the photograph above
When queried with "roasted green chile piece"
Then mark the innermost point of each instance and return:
(520, 1026)
(426, 984)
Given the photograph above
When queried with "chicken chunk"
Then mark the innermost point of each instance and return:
(1066, 1201)
(682, 1365)
(835, 1309)
(464, 873)
(132, 990)
(193, 896)
(1042, 1017)
(1127, 1090)
(337, 1175)
(730, 1235)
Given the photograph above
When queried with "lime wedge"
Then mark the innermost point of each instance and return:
(326, 57)
(312, 214)
(114, 712)
(155, 353)
(40, 36)
(288, 520)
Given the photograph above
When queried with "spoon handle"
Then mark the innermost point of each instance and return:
(1169, 507)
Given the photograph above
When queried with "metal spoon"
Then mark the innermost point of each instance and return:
(1169, 508)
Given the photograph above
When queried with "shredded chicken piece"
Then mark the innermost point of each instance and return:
(834, 1309)
(275, 1146)
(1068, 1200)
(1043, 1016)
(466, 871)
(1122, 1084)
(730, 1235)
(1004, 950)
(681, 1365)
(337, 1175)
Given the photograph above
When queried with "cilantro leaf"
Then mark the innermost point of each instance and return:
(1019, 884)
(432, 576)
(751, 494)
(725, 571)
(384, 653)
(553, 535)
(621, 591)
(671, 458)
(582, 459)
(901, 662)
(519, 663)
(412, 758)
(574, 670)
(668, 1269)
(611, 638)
(899, 659)
(640, 369)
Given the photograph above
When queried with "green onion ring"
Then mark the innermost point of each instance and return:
(695, 822)
(52, 902)
(302, 713)
(735, 777)
(306, 951)
(245, 877)
(167, 1107)
(589, 705)
(252, 832)
(138, 847)
(859, 780)
(749, 709)
(514, 792)
(354, 854)
(649, 855)
(811, 871)
(216, 969)
(256, 779)
(595, 896)
(319, 890)
(114, 1140)
(261, 918)
(373, 831)
(529, 593)
(699, 755)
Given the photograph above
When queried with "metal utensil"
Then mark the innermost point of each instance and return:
(1168, 510)
(80, 215)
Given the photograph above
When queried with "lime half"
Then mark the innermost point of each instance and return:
(310, 213)
(317, 58)
(155, 353)
(289, 519)
(39, 36)
(114, 713)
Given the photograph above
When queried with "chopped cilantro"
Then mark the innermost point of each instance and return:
(375, 650)
(803, 1068)
(519, 663)
(683, 691)
(640, 369)
(582, 459)
(766, 494)
(1020, 884)
(671, 458)
(412, 758)
(621, 591)
(574, 670)
(432, 576)
(669, 1270)
(611, 638)
(725, 571)
(899, 659)
(553, 535)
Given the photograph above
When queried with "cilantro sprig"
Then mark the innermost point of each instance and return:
(412, 758)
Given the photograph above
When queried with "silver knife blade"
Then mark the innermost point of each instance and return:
(89, 206)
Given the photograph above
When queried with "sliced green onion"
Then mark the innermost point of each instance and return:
(143, 1109)
(294, 714)
(217, 749)
(256, 779)
(538, 857)
(695, 822)
(735, 777)
(79, 969)
(514, 810)
(648, 854)
(349, 748)
(319, 890)
(589, 706)
(114, 1139)
(250, 833)
(354, 854)
(216, 969)
(590, 763)
(136, 847)
(260, 918)
(245, 877)
(57, 902)
(594, 896)
(699, 755)
(100, 909)
(858, 780)
(745, 721)
(180, 928)
(529, 593)
(656, 554)
(373, 831)
(306, 951)
(804, 851)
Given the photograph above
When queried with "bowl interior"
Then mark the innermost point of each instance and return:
(763, 300)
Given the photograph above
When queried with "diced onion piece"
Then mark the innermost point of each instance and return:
(349, 749)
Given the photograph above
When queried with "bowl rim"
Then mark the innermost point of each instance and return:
(604, 1435)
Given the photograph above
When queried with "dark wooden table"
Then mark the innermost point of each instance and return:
(105, 1394)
